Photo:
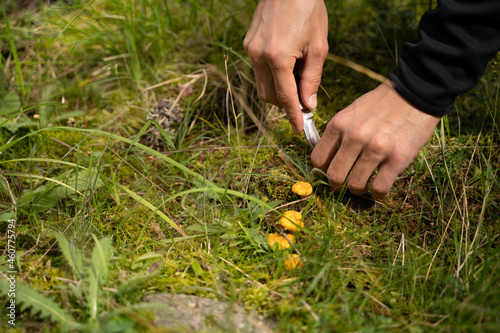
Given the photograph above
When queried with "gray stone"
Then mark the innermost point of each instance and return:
(188, 313)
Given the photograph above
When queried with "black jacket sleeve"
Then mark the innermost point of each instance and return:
(455, 42)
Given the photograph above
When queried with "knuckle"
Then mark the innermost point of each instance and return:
(246, 43)
(380, 191)
(337, 124)
(282, 97)
(315, 160)
(356, 186)
(318, 160)
(401, 158)
(378, 145)
(334, 179)
(358, 135)
(265, 97)
(314, 79)
(254, 52)
(274, 55)
(320, 50)
(261, 95)
(250, 47)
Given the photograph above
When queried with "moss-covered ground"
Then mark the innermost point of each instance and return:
(101, 220)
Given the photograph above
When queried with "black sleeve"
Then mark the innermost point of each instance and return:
(455, 42)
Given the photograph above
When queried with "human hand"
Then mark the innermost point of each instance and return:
(379, 130)
(281, 33)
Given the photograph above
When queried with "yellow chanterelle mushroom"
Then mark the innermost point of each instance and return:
(302, 188)
(292, 221)
(282, 241)
(293, 262)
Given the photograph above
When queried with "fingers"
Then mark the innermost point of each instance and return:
(379, 130)
(389, 170)
(286, 89)
(311, 74)
(384, 180)
(265, 84)
(354, 161)
(273, 70)
(280, 33)
(370, 158)
(326, 149)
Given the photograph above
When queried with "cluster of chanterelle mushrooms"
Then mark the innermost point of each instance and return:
(290, 223)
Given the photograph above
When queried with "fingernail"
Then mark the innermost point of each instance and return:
(313, 101)
(295, 129)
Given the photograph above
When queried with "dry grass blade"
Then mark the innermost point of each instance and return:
(12, 197)
(357, 67)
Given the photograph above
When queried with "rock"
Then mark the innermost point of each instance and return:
(188, 313)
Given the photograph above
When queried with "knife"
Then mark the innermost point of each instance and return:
(310, 130)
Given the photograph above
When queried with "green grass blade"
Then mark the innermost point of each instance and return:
(90, 132)
(13, 49)
(71, 22)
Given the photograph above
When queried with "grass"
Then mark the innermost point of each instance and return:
(103, 220)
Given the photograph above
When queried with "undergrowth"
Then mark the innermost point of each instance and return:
(102, 219)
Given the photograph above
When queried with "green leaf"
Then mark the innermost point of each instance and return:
(7, 216)
(10, 104)
(147, 256)
(44, 197)
(92, 294)
(84, 180)
(39, 304)
(101, 257)
(13, 127)
(40, 199)
(195, 265)
(118, 324)
(72, 254)
(98, 272)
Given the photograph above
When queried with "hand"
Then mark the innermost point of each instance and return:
(282, 32)
(379, 130)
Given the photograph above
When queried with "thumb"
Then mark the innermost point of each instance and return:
(311, 79)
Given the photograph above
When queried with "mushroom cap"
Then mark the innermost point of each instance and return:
(282, 241)
(302, 188)
(293, 262)
(292, 221)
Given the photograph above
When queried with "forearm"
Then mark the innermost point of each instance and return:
(456, 40)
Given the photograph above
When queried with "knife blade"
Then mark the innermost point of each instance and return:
(310, 129)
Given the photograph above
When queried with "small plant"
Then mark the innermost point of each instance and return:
(89, 289)
(200, 214)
